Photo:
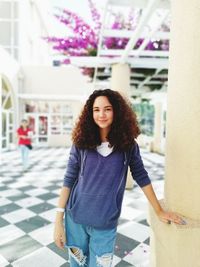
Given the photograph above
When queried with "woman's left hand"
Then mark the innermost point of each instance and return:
(170, 217)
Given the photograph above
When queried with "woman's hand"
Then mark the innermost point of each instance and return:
(170, 217)
(164, 216)
(23, 136)
(59, 235)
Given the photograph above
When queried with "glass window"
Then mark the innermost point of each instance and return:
(55, 120)
(16, 14)
(31, 107)
(55, 124)
(55, 130)
(67, 124)
(55, 107)
(10, 137)
(43, 125)
(66, 109)
(10, 118)
(16, 33)
(31, 122)
(4, 124)
(5, 30)
(6, 99)
(8, 104)
(42, 139)
(4, 143)
(3, 95)
(145, 114)
(43, 107)
(5, 10)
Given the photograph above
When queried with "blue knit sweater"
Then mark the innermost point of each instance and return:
(97, 184)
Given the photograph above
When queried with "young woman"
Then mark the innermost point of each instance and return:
(103, 148)
(24, 142)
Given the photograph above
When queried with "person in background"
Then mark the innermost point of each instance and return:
(24, 134)
(104, 146)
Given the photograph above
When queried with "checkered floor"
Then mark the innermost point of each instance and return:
(27, 211)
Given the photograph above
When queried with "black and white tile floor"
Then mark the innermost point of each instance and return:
(27, 211)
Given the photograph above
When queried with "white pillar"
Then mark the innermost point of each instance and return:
(0, 115)
(179, 246)
(120, 81)
(158, 127)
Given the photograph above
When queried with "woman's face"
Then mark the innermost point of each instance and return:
(24, 124)
(103, 112)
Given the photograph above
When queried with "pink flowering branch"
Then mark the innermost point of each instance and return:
(96, 17)
(85, 39)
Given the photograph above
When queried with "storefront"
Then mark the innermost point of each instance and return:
(48, 119)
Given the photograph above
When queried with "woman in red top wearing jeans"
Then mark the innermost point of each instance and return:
(24, 133)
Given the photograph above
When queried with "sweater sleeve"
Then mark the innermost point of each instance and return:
(137, 169)
(73, 167)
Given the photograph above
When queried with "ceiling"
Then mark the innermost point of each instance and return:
(149, 68)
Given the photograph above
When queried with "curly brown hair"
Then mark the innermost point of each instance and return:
(124, 128)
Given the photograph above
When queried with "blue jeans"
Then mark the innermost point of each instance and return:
(24, 154)
(89, 246)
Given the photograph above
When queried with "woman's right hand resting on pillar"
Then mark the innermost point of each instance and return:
(170, 217)
(164, 216)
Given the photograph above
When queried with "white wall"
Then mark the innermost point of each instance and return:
(64, 80)
(32, 28)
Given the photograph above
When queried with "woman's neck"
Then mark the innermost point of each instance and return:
(104, 134)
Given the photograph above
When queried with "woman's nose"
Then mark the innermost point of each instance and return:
(101, 113)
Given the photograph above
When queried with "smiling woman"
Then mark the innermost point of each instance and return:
(103, 149)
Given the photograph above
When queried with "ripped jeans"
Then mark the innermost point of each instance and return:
(88, 246)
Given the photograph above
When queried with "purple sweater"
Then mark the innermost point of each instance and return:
(97, 184)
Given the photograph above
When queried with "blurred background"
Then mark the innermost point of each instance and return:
(53, 54)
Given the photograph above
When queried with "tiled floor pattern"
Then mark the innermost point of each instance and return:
(27, 211)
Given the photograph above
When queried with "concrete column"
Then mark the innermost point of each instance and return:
(0, 115)
(179, 245)
(120, 81)
(158, 127)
